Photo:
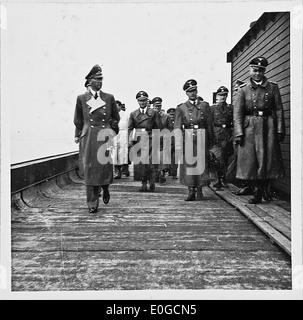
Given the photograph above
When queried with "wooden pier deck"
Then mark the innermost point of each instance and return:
(139, 241)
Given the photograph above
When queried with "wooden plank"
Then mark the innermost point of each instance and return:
(140, 241)
(276, 236)
(146, 270)
(273, 30)
(274, 213)
(271, 232)
(262, 45)
(273, 222)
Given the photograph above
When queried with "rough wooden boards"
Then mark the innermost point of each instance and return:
(140, 241)
(273, 220)
(150, 269)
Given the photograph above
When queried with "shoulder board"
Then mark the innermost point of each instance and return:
(274, 82)
(242, 85)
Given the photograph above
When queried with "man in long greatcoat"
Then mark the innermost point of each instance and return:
(259, 128)
(140, 125)
(96, 120)
(191, 116)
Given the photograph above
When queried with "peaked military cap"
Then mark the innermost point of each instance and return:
(190, 85)
(141, 95)
(171, 110)
(96, 72)
(259, 62)
(222, 90)
(156, 100)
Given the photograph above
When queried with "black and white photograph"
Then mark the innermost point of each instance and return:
(151, 150)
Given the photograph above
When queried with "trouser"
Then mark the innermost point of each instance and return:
(147, 172)
(92, 196)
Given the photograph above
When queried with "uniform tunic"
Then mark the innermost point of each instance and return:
(222, 126)
(143, 122)
(163, 121)
(89, 122)
(189, 116)
(258, 116)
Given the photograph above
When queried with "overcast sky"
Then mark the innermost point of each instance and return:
(153, 47)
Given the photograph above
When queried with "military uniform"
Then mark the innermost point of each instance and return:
(163, 121)
(94, 112)
(258, 128)
(143, 121)
(173, 167)
(222, 127)
(194, 115)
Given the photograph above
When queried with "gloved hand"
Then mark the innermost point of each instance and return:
(239, 141)
(280, 137)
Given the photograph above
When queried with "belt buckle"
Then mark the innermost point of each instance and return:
(196, 126)
(223, 125)
(260, 113)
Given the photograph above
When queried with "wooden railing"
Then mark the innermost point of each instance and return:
(29, 173)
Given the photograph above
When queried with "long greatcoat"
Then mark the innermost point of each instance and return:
(187, 117)
(143, 122)
(260, 156)
(89, 120)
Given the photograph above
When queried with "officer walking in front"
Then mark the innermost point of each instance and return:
(258, 129)
(143, 120)
(222, 123)
(191, 116)
(95, 112)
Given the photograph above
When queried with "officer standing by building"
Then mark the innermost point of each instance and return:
(222, 123)
(95, 113)
(191, 116)
(143, 120)
(258, 129)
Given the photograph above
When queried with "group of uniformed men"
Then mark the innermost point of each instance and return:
(254, 125)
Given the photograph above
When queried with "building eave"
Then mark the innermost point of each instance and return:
(252, 33)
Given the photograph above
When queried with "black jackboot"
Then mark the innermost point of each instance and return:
(191, 194)
(199, 194)
(257, 198)
(117, 172)
(143, 187)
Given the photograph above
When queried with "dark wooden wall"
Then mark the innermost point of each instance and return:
(268, 37)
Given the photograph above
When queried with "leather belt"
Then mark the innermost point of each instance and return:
(259, 113)
(195, 126)
(222, 125)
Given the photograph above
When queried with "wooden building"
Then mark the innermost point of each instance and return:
(269, 36)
